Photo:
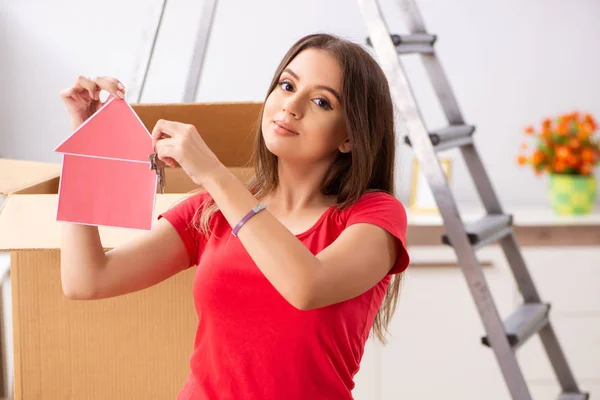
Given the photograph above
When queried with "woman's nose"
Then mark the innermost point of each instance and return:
(291, 106)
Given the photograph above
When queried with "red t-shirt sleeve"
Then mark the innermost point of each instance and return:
(183, 216)
(387, 212)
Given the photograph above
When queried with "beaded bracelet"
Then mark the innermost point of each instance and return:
(250, 214)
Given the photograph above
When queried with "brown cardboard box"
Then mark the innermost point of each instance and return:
(23, 176)
(135, 346)
(177, 180)
(129, 347)
(20, 176)
(227, 128)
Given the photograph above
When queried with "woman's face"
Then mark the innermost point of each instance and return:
(303, 118)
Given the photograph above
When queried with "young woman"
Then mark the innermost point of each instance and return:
(295, 269)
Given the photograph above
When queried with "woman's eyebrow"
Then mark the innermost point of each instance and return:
(329, 89)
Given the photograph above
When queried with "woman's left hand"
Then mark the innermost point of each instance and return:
(181, 143)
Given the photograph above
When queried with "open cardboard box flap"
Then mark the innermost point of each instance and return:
(23, 176)
(29, 222)
(227, 128)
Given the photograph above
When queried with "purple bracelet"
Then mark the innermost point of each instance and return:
(250, 214)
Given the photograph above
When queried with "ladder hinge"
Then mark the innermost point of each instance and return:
(412, 43)
(450, 137)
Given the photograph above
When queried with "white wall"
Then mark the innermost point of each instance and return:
(511, 63)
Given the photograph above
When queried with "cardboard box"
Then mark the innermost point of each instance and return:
(18, 176)
(135, 346)
(227, 128)
(177, 180)
(22, 176)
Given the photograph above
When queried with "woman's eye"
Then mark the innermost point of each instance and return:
(285, 85)
(323, 103)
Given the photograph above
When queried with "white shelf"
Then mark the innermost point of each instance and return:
(523, 216)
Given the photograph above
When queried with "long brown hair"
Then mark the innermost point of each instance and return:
(369, 118)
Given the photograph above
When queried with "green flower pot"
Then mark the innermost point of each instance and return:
(572, 194)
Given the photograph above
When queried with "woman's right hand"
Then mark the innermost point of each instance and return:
(83, 99)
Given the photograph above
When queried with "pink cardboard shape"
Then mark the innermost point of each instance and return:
(106, 177)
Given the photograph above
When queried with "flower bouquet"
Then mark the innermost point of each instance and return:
(566, 148)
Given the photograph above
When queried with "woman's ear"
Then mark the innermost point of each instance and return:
(345, 147)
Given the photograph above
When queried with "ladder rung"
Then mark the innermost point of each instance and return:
(574, 396)
(523, 323)
(449, 137)
(415, 43)
(487, 230)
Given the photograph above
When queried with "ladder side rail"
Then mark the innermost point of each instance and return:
(423, 148)
(199, 55)
(449, 104)
(558, 361)
(530, 294)
(416, 25)
(135, 88)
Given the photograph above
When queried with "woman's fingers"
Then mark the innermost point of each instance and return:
(164, 128)
(68, 94)
(89, 89)
(165, 152)
(75, 94)
(111, 85)
(88, 85)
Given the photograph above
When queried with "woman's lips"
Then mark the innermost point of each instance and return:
(283, 128)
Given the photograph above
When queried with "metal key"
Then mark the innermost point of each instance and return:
(159, 166)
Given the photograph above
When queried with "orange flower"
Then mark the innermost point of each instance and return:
(529, 130)
(538, 157)
(588, 119)
(559, 166)
(521, 159)
(587, 155)
(584, 134)
(545, 132)
(562, 152)
(563, 128)
(573, 160)
(574, 143)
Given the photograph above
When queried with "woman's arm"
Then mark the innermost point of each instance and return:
(87, 272)
(359, 258)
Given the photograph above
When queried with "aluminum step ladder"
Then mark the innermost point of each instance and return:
(533, 316)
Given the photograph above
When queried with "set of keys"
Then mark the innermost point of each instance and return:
(158, 166)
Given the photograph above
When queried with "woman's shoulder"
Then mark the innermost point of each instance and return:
(375, 203)
(376, 198)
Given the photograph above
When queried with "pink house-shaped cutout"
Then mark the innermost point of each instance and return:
(106, 177)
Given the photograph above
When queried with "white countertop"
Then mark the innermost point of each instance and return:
(522, 216)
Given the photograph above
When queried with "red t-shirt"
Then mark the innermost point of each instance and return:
(250, 342)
